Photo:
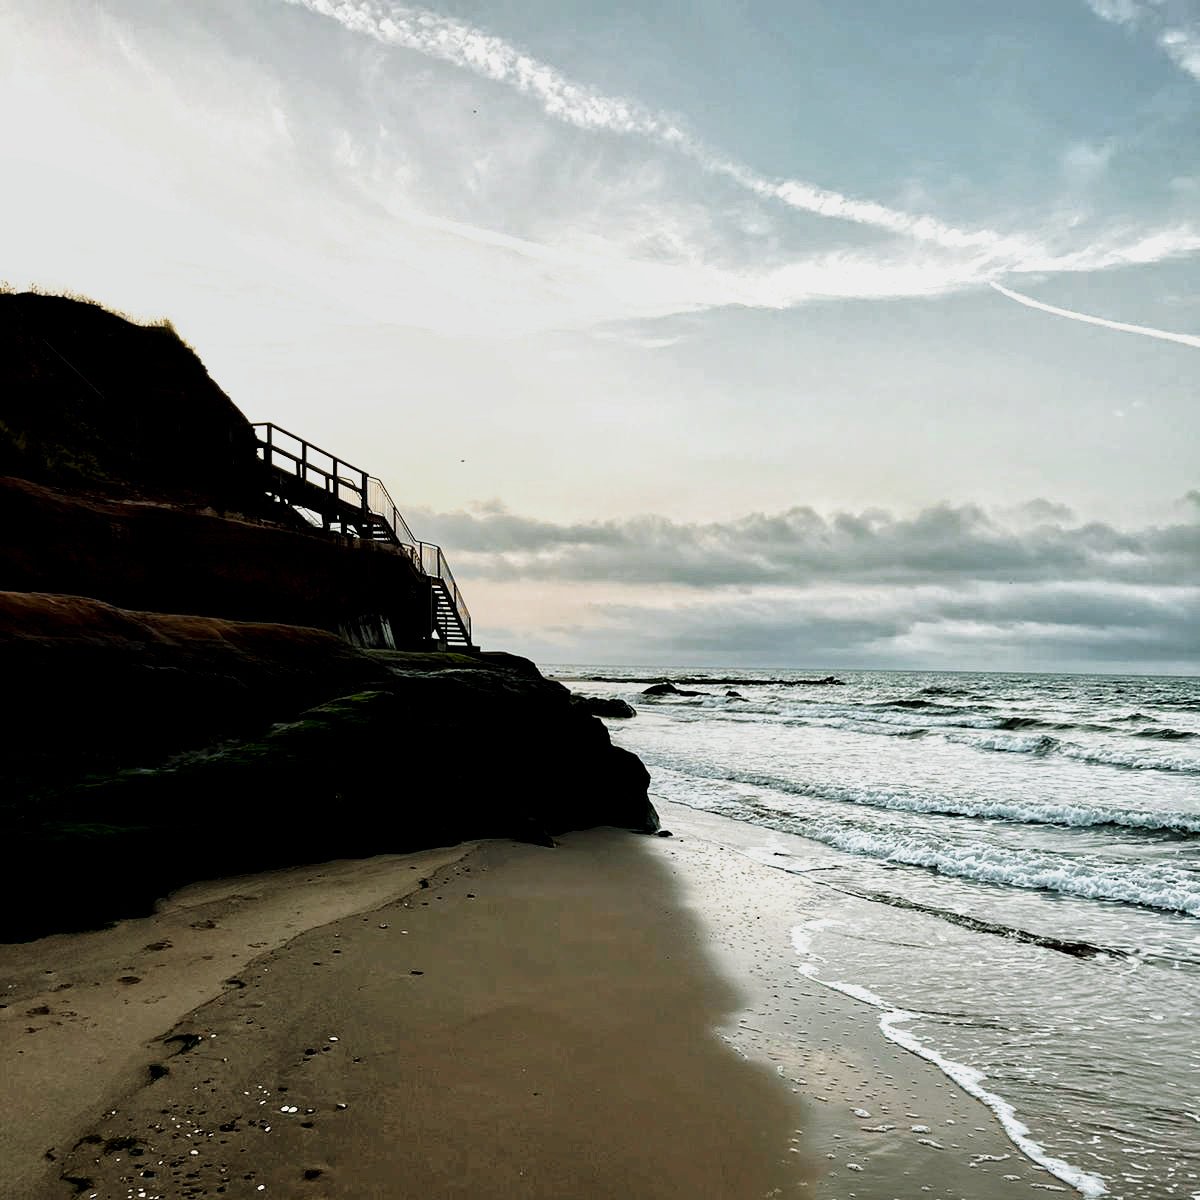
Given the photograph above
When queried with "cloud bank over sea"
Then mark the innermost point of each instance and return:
(1026, 588)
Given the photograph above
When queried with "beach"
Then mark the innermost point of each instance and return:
(600, 1018)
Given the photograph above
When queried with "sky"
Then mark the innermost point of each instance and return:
(818, 334)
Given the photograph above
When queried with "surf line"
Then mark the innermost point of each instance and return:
(967, 1078)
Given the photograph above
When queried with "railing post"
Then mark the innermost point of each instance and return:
(365, 507)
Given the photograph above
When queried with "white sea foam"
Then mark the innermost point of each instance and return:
(1152, 885)
(1105, 756)
(1032, 811)
(967, 1078)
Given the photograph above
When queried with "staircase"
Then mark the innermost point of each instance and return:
(329, 494)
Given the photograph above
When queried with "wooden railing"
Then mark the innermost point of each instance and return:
(336, 494)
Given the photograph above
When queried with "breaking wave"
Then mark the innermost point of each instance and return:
(1150, 885)
(1044, 744)
(1025, 812)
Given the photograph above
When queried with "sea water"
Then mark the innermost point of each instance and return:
(1025, 852)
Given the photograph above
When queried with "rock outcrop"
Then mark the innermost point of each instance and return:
(151, 750)
(180, 706)
(667, 688)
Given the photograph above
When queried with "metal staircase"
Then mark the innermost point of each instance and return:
(329, 494)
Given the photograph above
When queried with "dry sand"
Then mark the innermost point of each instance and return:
(533, 1023)
(84, 1014)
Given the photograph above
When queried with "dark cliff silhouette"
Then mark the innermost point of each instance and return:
(182, 704)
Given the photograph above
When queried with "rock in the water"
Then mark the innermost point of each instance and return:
(603, 706)
(667, 688)
(732, 695)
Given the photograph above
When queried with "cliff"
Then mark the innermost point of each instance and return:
(181, 707)
(97, 403)
(127, 475)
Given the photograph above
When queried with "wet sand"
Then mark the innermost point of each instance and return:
(532, 1023)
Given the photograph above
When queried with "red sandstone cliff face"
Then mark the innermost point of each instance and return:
(176, 560)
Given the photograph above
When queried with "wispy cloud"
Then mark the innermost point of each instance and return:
(1183, 48)
(1184, 339)
(1119, 12)
(1178, 38)
(957, 258)
(455, 42)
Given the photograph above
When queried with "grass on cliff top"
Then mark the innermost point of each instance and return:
(164, 323)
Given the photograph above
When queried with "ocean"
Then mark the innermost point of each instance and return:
(1016, 865)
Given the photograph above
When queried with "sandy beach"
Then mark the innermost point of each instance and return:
(600, 1019)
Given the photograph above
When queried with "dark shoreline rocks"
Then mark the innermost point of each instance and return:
(715, 681)
(612, 707)
(180, 707)
(155, 750)
(667, 688)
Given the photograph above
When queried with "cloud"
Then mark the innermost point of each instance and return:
(801, 548)
(689, 275)
(1180, 42)
(1184, 339)
(452, 41)
(990, 627)
(1183, 49)
(948, 586)
(1119, 12)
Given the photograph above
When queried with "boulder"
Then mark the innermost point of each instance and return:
(667, 688)
(150, 751)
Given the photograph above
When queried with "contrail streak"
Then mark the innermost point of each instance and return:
(490, 57)
(1184, 339)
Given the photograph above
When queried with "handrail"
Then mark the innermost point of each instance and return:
(434, 564)
(338, 477)
(371, 497)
